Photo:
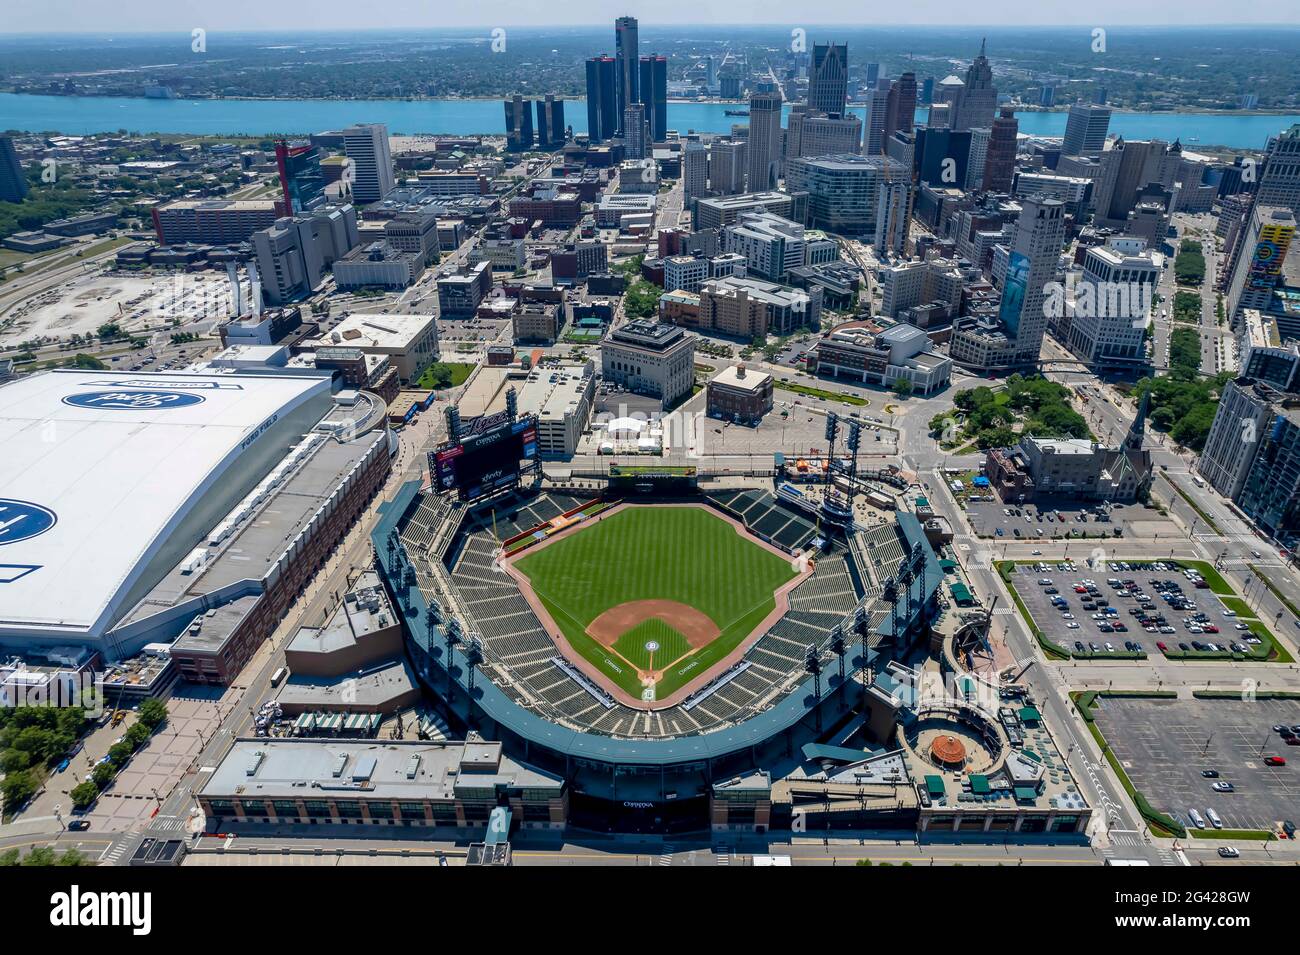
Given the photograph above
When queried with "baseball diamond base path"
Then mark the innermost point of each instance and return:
(698, 629)
(780, 597)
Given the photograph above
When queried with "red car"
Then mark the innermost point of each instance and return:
(1210, 628)
(1161, 646)
(1274, 760)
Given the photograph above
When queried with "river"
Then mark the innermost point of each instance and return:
(78, 115)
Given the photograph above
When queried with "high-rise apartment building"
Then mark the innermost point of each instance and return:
(628, 78)
(1016, 337)
(695, 170)
(728, 161)
(366, 146)
(1085, 130)
(764, 141)
(634, 131)
(603, 114)
(1040, 234)
(1112, 303)
(828, 79)
(1258, 264)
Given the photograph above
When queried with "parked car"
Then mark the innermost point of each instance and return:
(1222, 787)
(1274, 760)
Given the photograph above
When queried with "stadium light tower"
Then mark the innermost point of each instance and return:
(862, 625)
(919, 561)
(812, 664)
(452, 634)
(905, 578)
(832, 431)
(839, 647)
(854, 441)
(473, 657)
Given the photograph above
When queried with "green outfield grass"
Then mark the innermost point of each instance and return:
(687, 554)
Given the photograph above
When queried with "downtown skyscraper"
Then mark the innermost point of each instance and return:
(603, 114)
(828, 80)
(653, 85)
(764, 141)
(626, 52)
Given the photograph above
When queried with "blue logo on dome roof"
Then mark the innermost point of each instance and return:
(22, 520)
(133, 400)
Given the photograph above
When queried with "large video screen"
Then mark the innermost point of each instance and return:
(487, 461)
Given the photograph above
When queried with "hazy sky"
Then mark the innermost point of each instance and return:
(129, 16)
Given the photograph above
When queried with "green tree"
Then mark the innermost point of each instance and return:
(14, 760)
(903, 387)
(102, 775)
(17, 788)
(153, 713)
(83, 794)
(10, 857)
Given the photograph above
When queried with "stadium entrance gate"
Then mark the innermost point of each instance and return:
(634, 815)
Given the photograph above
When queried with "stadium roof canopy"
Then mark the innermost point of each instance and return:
(108, 479)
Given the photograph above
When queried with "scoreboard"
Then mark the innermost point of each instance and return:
(487, 459)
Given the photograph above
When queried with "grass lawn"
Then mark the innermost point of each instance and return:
(1212, 577)
(445, 374)
(686, 554)
(822, 393)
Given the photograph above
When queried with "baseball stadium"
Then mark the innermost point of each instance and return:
(649, 636)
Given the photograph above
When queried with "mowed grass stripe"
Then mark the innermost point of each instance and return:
(623, 675)
(646, 553)
(686, 554)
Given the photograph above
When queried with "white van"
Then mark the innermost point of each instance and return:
(1214, 819)
(1195, 816)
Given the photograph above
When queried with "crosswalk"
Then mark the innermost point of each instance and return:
(112, 853)
(1124, 837)
(168, 824)
(722, 855)
(666, 854)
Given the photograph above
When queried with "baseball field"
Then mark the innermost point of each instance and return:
(653, 596)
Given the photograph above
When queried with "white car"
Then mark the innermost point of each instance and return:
(1230, 613)
(1067, 616)
(1072, 625)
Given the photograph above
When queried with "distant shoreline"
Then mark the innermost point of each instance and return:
(708, 101)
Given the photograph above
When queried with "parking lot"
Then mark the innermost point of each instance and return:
(1164, 745)
(1051, 619)
(1101, 598)
(1133, 520)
